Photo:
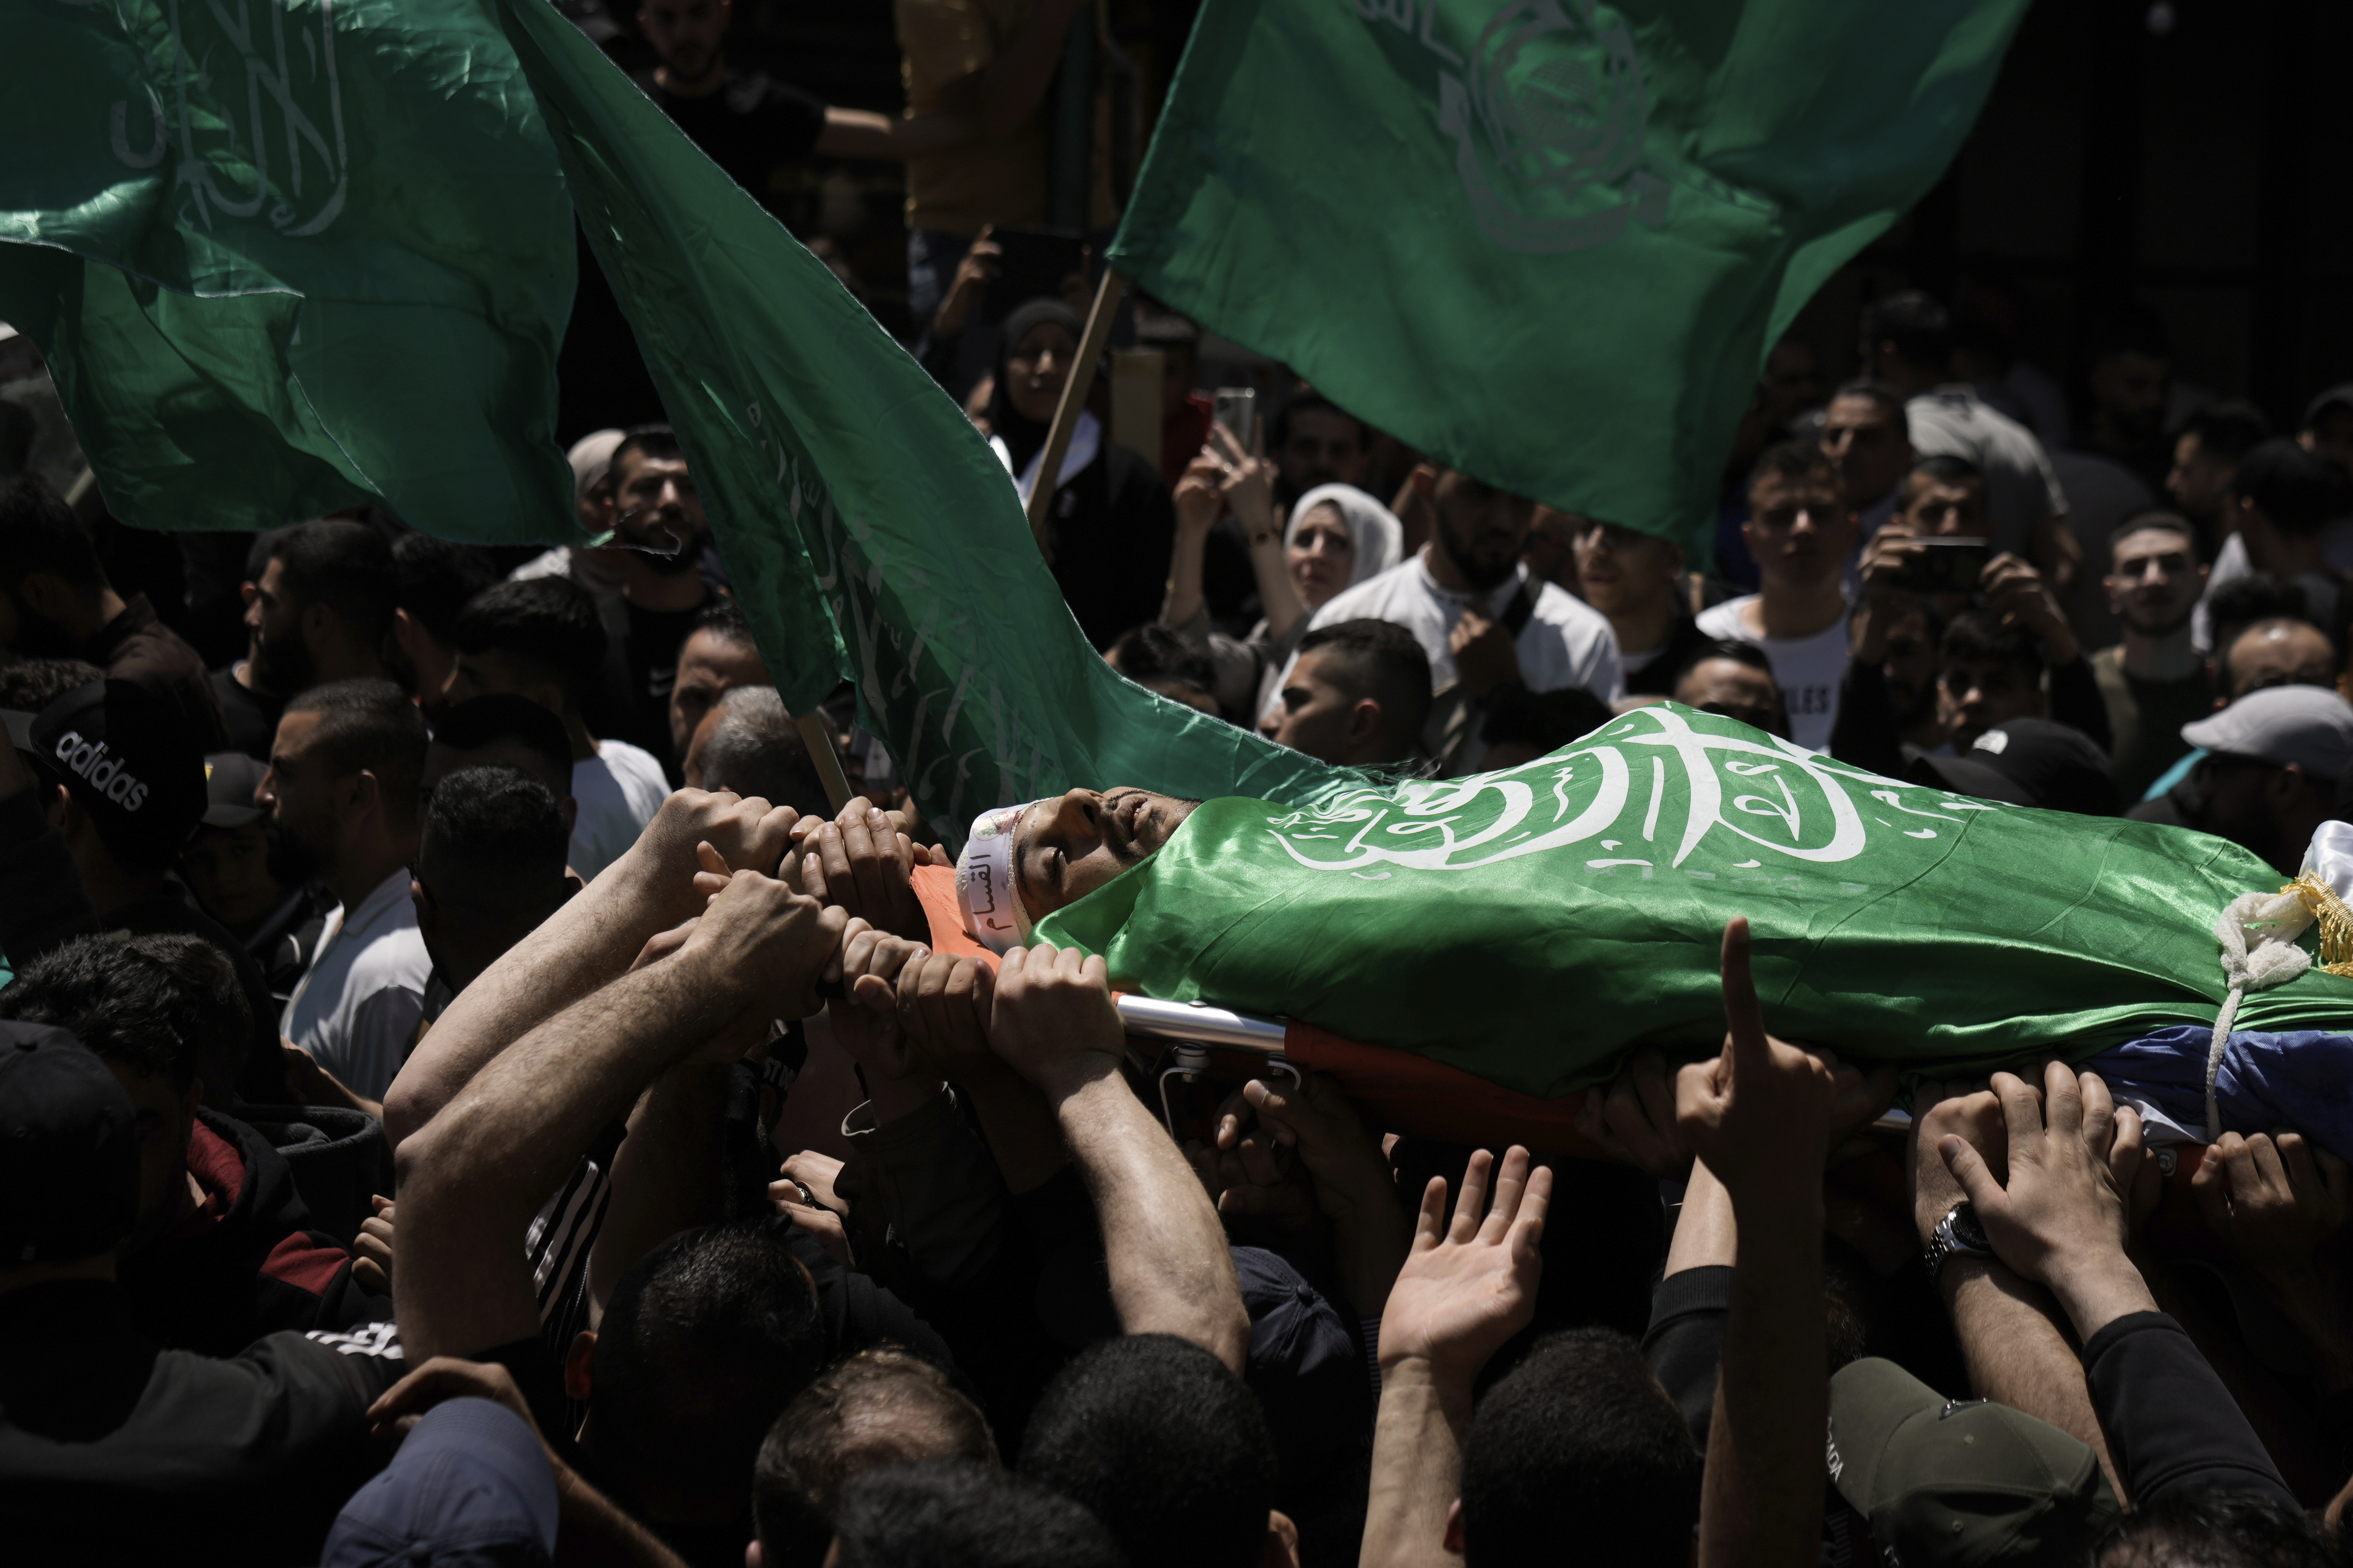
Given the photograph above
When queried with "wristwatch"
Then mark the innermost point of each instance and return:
(1958, 1234)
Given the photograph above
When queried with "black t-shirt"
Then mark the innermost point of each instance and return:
(114, 1451)
(252, 718)
(1657, 679)
(748, 127)
(1111, 525)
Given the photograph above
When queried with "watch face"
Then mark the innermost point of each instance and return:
(1967, 1231)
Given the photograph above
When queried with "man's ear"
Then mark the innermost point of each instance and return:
(578, 1364)
(1454, 1538)
(428, 913)
(360, 791)
(1364, 721)
(1281, 1548)
(570, 807)
(58, 808)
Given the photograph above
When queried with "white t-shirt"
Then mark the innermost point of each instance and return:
(2020, 488)
(619, 789)
(356, 1009)
(1807, 669)
(1566, 642)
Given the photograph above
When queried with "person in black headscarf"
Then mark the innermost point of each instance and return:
(1111, 523)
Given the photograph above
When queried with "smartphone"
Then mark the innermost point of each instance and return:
(1946, 565)
(1236, 409)
(1035, 264)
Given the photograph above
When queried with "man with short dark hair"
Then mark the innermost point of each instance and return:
(437, 577)
(1155, 1438)
(56, 603)
(1313, 441)
(1801, 531)
(2153, 681)
(973, 1516)
(658, 515)
(1484, 624)
(342, 796)
(1907, 343)
(2206, 453)
(1736, 680)
(1580, 1429)
(749, 744)
(717, 657)
(1636, 581)
(540, 639)
(489, 868)
(1942, 496)
(226, 866)
(502, 730)
(1868, 441)
(2279, 500)
(1987, 673)
(1357, 696)
(322, 610)
(222, 1251)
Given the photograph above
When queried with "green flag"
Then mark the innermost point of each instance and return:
(290, 255)
(1533, 925)
(1548, 241)
(870, 532)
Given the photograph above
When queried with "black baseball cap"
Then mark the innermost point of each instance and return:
(230, 779)
(68, 1149)
(1950, 1483)
(129, 761)
(2031, 761)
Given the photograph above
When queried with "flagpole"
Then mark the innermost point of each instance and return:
(1074, 398)
(816, 734)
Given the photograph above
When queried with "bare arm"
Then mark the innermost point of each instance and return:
(2010, 1338)
(471, 1178)
(1759, 1117)
(1171, 1271)
(582, 945)
(1463, 1292)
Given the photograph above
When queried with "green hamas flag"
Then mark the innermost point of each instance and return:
(871, 533)
(1531, 926)
(1549, 241)
(290, 255)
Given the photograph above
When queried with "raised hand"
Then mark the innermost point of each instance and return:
(1486, 655)
(743, 834)
(371, 1248)
(1052, 1020)
(944, 1004)
(2281, 1203)
(1760, 1113)
(2061, 1218)
(399, 1407)
(1634, 1117)
(765, 946)
(1467, 1288)
(867, 1022)
(1246, 481)
(1945, 1110)
(864, 861)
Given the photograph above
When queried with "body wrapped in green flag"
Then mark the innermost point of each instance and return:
(1532, 926)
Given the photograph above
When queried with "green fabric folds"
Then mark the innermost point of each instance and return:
(1532, 926)
(1548, 240)
(870, 532)
(290, 255)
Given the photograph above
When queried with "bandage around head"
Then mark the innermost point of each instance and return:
(987, 890)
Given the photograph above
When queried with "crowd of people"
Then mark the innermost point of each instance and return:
(471, 1090)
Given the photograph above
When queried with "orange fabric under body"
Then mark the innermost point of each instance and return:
(1394, 1092)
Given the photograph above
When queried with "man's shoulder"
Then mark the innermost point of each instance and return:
(1727, 622)
(1556, 606)
(629, 764)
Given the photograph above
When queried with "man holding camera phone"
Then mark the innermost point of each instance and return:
(1933, 561)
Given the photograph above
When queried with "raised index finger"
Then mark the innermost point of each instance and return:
(1743, 1020)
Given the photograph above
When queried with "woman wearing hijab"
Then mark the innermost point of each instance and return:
(1110, 525)
(1336, 537)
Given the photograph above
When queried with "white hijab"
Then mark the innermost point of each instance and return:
(1380, 537)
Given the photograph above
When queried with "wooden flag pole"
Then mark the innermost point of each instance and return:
(816, 734)
(1074, 398)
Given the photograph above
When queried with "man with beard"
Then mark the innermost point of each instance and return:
(322, 609)
(1316, 442)
(342, 798)
(657, 514)
(2152, 682)
(1486, 625)
(1800, 533)
(56, 603)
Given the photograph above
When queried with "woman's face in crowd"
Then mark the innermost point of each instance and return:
(1036, 369)
(1066, 849)
(1322, 554)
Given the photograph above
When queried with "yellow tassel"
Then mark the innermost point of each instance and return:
(2334, 918)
